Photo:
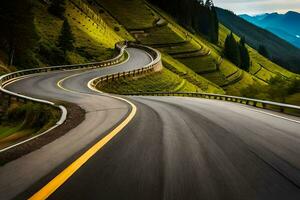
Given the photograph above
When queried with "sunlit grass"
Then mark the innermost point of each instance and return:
(164, 80)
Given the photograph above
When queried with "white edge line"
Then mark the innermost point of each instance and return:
(62, 108)
(62, 119)
(273, 115)
(247, 107)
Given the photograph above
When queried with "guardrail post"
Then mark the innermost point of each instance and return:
(1, 100)
(281, 109)
(6, 101)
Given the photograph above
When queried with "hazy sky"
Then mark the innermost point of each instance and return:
(259, 6)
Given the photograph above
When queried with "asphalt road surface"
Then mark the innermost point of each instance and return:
(174, 148)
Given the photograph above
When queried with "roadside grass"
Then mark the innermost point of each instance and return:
(23, 120)
(6, 130)
(293, 99)
(164, 81)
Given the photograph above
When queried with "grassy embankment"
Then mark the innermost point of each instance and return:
(23, 120)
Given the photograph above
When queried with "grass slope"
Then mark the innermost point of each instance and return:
(91, 44)
(23, 120)
(183, 50)
(163, 81)
(133, 14)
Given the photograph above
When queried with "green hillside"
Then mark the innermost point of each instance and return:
(191, 62)
(191, 51)
(279, 50)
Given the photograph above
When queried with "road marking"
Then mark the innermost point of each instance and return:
(11, 81)
(62, 177)
(273, 115)
(247, 107)
(90, 83)
(59, 84)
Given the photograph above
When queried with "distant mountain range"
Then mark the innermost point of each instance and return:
(286, 26)
(280, 51)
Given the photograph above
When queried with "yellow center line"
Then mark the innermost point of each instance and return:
(63, 176)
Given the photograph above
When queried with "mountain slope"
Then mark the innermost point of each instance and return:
(286, 26)
(190, 60)
(281, 51)
(186, 50)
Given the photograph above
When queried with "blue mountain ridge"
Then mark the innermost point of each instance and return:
(285, 26)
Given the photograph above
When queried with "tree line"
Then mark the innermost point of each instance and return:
(19, 39)
(195, 15)
(18, 32)
(237, 52)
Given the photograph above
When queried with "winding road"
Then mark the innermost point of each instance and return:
(173, 148)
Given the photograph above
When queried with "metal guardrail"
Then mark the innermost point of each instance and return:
(248, 101)
(156, 64)
(8, 95)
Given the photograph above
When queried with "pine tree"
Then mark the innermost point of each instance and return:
(231, 50)
(57, 8)
(209, 4)
(194, 15)
(18, 33)
(245, 58)
(201, 2)
(66, 39)
(214, 26)
(263, 51)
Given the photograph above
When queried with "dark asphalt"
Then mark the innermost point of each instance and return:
(102, 114)
(175, 148)
(184, 148)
